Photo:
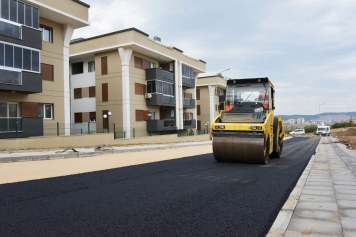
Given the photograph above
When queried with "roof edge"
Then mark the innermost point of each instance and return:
(111, 33)
(202, 61)
(82, 3)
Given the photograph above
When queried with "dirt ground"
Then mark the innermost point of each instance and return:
(346, 136)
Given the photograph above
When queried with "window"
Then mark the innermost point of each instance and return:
(104, 65)
(19, 12)
(77, 68)
(187, 74)
(92, 91)
(199, 125)
(92, 116)
(47, 33)
(142, 115)
(91, 66)
(47, 72)
(105, 92)
(198, 109)
(140, 89)
(10, 30)
(143, 63)
(18, 57)
(78, 117)
(9, 109)
(160, 87)
(45, 111)
(77, 93)
(198, 94)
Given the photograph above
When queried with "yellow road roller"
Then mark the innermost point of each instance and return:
(246, 130)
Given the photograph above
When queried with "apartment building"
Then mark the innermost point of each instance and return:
(135, 82)
(210, 91)
(34, 63)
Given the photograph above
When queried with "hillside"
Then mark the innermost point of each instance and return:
(334, 117)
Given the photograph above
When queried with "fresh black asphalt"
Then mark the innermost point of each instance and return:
(192, 196)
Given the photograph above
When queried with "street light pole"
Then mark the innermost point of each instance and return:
(207, 127)
(107, 116)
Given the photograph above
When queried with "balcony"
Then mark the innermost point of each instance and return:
(159, 74)
(188, 103)
(161, 100)
(188, 82)
(20, 82)
(21, 127)
(161, 125)
(12, 33)
(189, 124)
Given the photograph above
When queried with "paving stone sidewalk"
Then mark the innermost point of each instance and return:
(323, 202)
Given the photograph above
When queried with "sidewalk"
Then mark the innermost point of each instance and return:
(15, 156)
(323, 203)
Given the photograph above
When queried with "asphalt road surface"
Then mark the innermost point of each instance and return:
(191, 196)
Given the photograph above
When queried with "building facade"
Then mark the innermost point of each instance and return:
(210, 91)
(34, 64)
(135, 82)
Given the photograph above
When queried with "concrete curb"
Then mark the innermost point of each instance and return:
(95, 153)
(281, 223)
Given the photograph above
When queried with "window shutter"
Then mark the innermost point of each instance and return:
(188, 95)
(144, 89)
(92, 91)
(145, 115)
(77, 93)
(145, 64)
(78, 117)
(92, 116)
(198, 94)
(138, 89)
(138, 62)
(139, 115)
(186, 116)
(104, 65)
(105, 120)
(198, 109)
(29, 109)
(105, 93)
(199, 125)
(47, 72)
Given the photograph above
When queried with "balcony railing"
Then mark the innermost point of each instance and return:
(188, 82)
(189, 123)
(10, 77)
(161, 125)
(10, 30)
(167, 75)
(10, 124)
(186, 101)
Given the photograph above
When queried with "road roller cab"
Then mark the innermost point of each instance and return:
(246, 130)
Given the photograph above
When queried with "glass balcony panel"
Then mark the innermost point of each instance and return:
(167, 75)
(169, 123)
(10, 30)
(10, 77)
(10, 124)
(186, 101)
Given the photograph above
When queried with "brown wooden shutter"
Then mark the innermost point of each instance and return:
(138, 62)
(188, 95)
(92, 91)
(186, 116)
(105, 120)
(198, 94)
(92, 116)
(144, 89)
(145, 115)
(139, 115)
(198, 109)
(77, 93)
(78, 117)
(145, 64)
(138, 89)
(47, 72)
(29, 109)
(104, 65)
(105, 92)
(199, 125)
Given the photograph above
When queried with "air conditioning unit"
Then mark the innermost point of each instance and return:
(148, 96)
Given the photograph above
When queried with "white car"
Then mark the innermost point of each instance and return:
(298, 132)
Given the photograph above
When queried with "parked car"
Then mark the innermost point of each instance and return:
(298, 132)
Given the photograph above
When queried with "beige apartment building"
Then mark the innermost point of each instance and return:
(34, 64)
(137, 83)
(210, 91)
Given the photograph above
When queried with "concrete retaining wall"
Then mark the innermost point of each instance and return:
(91, 140)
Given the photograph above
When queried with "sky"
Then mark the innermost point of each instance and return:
(307, 48)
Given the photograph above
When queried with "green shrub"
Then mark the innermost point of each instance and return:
(191, 132)
(310, 128)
